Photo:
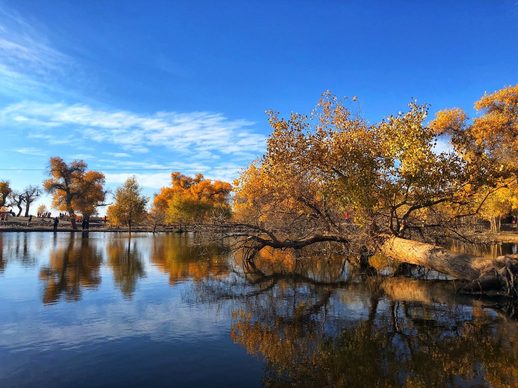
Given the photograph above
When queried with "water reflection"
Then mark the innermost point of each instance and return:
(183, 259)
(482, 249)
(73, 265)
(378, 332)
(307, 340)
(125, 260)
(156, 303)
(19, 249)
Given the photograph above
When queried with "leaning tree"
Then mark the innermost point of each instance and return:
(333, 177)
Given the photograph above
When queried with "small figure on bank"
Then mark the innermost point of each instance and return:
(29, 220)
(83, 224)
(56, 222)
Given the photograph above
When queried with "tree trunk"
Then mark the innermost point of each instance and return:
(19, 210)
(498, 224)
(27, 208)
(72, 218)
(481, 273)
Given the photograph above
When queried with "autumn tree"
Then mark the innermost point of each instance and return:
(193, 200)
(42, 209)
(326, 171)
(500, 203)
(490, 139)
(330, 176)
(129, 207)
(156, 217)
(5, 190)
(74, 188)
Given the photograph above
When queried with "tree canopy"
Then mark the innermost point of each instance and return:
(330, 173)
(129, 207)
(74, 188)
(193, 200)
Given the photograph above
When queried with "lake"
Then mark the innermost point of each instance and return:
(169, 310)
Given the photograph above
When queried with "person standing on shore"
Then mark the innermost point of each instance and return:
(56, 222)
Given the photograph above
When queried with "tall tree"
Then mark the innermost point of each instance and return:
(489, 142)
(29, 195)
(16, 200)
(129, 207)
(74, 188)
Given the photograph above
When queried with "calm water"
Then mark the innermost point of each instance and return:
(163, 311)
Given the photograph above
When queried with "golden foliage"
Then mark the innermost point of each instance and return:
(129, 207)
(74, 188)
(5, 190)
(327, 170)
(193, 200)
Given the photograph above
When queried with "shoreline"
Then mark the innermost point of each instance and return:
(510, 237)
(96, 230)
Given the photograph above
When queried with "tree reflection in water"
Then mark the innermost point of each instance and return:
(125, 259)
(72, 266)
(374, 332)
(19, 249)
(183, 260)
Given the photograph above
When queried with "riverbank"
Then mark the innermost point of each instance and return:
(20, 224)
(507, 236)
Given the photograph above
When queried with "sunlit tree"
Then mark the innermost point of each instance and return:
(490, 143)
(5, 190)
(74, 188)
(331, 176)
(42, 209)
(129, 207)
(193, 200)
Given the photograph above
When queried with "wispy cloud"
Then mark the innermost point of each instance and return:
(30, 151)
(199, 133)
(117, 154)
(29, 63)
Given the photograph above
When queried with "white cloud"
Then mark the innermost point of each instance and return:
(30, 151)
(203, 133)
(117, 154)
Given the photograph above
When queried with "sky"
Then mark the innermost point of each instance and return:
(145, 88)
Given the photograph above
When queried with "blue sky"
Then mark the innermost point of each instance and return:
(150, 87)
